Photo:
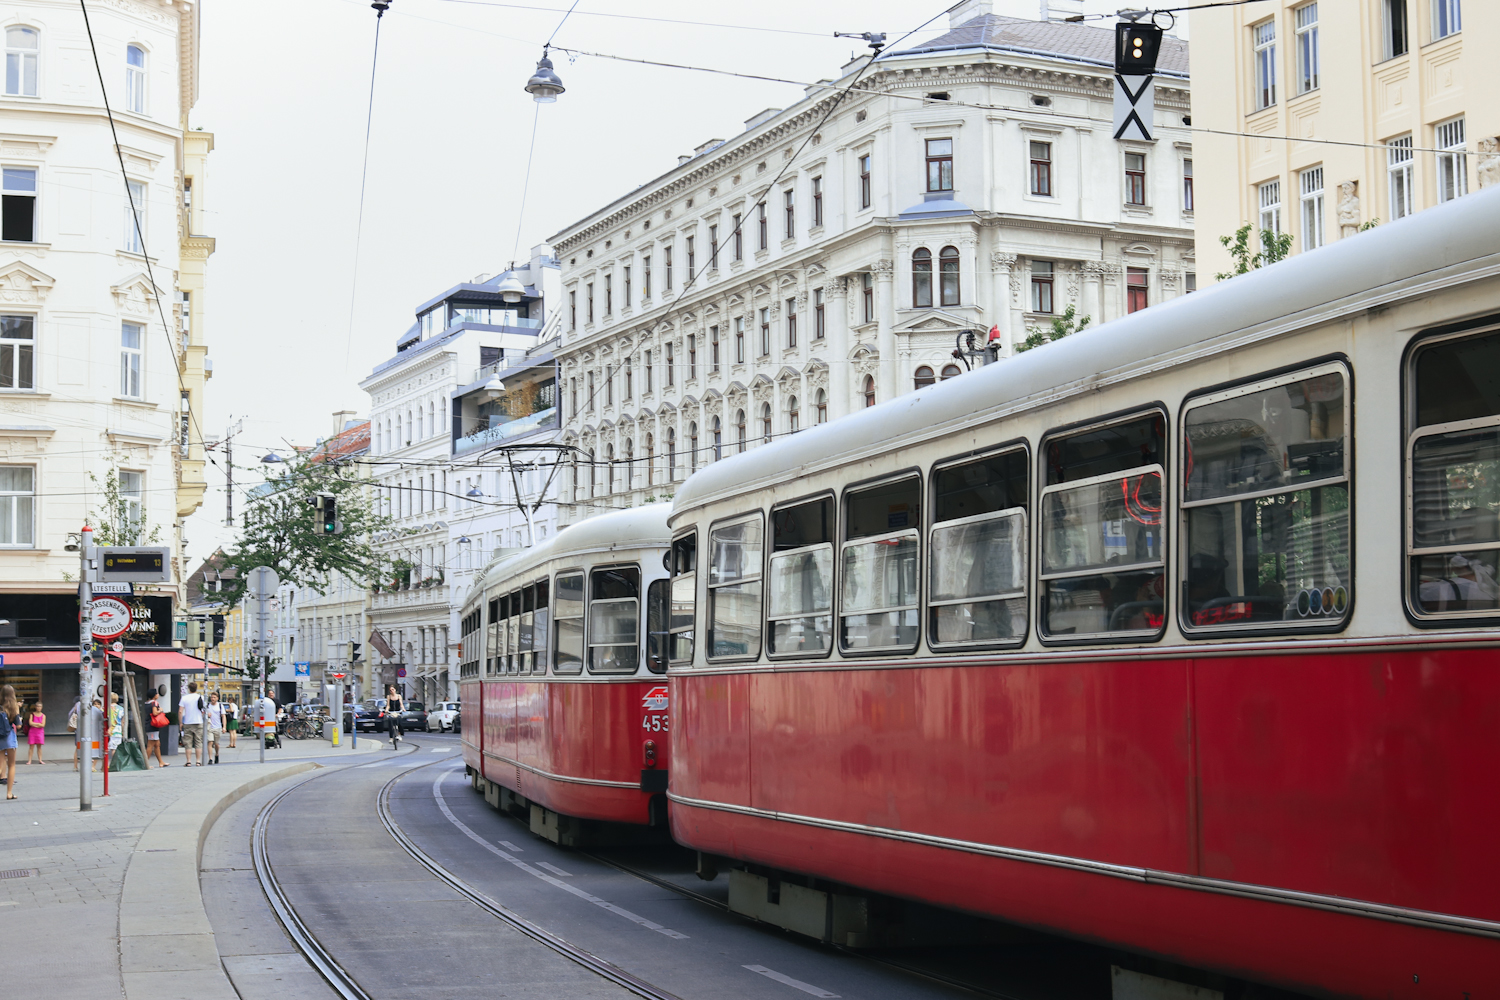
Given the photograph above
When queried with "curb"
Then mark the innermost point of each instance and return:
(167, 948)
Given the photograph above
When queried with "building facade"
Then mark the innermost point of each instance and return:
(834, 255)
(1358, 112)
(102, 278)
(430, 427)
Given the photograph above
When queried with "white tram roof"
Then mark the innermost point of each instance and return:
(1383, 265)
(620, 530)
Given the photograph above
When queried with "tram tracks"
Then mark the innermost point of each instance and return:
(342, 980)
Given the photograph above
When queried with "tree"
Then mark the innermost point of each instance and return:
(123, 519)
(280, 531)
(1274, 246)
(1062, 326)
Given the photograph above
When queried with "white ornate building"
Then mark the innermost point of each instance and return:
(102, 350)
(829, 256)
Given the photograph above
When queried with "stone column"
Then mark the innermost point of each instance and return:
(885, 337)
(1093, 291)
(837, 316)
(999, 314)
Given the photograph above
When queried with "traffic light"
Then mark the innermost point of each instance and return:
(354, 652)
(198, 632)
(217, 634)
(1136, 48)
(326, 507)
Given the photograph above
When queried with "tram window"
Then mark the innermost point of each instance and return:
(684, 595)
(977, 578)
(513, 635)
(614, 620)
(528, 618)
(1453, 478)
(1266, 504)
(656, 625)
(799, 600)
(568, 625)
(734, 588)
(492, 640)
(1102, 566)
(539, 637)
(878, 593)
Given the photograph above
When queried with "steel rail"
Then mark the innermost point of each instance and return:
(600, 967)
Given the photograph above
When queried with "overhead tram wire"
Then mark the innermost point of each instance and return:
(786, 164)
(380, 7)
(641, 17)
(135, 216)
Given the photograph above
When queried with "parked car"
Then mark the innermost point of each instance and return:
(458, 720)
(366, 717)
(441, 717)
(414, 716)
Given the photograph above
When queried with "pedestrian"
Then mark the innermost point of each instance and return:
(215, 727)
(191, 719)
(154, 715)
(36, 734)
(232, 722)
(96, 727)
(10, 717)
(116, 724)
(73, 728)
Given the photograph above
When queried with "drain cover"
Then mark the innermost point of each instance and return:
(18, 873)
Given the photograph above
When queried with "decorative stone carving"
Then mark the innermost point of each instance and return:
(1168, 276)
(884, 269)
(1002, 261)
(1070, 279)
(22, 284)
(1488, 167)
(1348, 208)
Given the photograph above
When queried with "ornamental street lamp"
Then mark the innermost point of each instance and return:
(544, 86)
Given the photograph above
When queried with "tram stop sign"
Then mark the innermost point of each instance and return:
(337, 677)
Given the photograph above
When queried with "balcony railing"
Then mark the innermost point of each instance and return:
(488, 436)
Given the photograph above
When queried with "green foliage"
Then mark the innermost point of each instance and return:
(1369, 225)
(123, 519)
(280, 531)
(1062, 326)
(1274, 246)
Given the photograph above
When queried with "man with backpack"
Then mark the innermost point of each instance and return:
(192, 720)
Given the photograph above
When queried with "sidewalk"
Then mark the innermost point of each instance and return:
(109, 901)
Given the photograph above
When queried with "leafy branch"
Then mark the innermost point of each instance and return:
(1274, 246)
(1062, 326)
(123, 519)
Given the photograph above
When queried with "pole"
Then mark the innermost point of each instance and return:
(108, 727)
(85, 647)
(229, 477)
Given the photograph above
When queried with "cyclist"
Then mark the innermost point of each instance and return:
(393, 708)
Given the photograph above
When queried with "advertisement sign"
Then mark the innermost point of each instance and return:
(108, 618)
(304, 668)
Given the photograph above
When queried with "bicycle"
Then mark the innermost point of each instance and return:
(302, 729)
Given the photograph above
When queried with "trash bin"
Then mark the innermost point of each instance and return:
(169, 739)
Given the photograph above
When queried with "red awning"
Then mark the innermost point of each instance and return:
(36, 660)
(166, 661)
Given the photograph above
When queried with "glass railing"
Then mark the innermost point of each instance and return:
(488, 436)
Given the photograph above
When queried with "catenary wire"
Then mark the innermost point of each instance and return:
(641, 17)
(364, 170)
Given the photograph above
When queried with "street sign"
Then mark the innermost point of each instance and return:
(303, 668)
(108, 618)
(400, 671)
(118, 647)
(118, 564)
(128, 589)
(337, 677)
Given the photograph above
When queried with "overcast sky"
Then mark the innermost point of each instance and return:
(285, 84)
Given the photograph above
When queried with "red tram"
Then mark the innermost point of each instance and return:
(1133, 638)
(572, 702)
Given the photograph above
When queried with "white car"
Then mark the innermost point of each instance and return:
(441, 716)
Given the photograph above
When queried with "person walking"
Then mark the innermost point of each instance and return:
(191, 718)
(36, 734)
(215, 727)
(153, 733)
(116, 726)
(232, 721)
(10, 717)
(73, 714)
(393, 709)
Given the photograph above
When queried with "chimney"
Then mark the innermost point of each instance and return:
(340, 418)
(968, 10)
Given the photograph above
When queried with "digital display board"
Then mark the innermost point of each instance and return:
(132, 565)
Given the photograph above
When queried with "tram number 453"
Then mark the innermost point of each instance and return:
(654, 723)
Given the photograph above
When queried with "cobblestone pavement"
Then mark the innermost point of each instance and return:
(62, 870)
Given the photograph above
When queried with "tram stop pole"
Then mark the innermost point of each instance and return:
(85, 669)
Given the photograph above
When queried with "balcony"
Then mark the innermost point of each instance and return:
(503, 429)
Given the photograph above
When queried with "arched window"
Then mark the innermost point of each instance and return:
(21, 52)
(740, 426)
(822, 403)
(924, 377)
(869, 390)
(948, 261)
(593, 480)
(388, 437)
(650, 460)
(432, 427)
(135, 79)
(630, 463)
(609, 467)
(692, 462)
(793, 415)
(671, 454)
(765, 422)
(951, 371)
(921, 278)
(718, 439)
(412, 430)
